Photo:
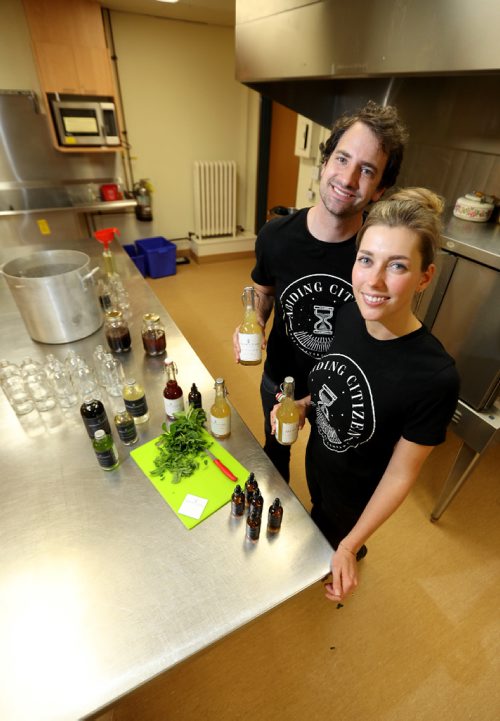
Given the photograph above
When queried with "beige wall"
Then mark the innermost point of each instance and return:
(182, 104)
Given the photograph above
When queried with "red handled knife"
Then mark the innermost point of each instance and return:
(221, 466)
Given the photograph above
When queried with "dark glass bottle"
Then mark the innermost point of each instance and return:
(256, 503)
(253, 526)
(238, 502)
(94, 416)
(275, 516)
(194, 397)
(117, 332)
(251, 486)
(105, 450)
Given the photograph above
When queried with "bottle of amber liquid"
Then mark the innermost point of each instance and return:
(117, 332)
(153, 335)
(194, 397)
(287, 415)
(238, 502)
(172, 393)
(275, 516)
(135, 401)
(250, 332)
(253, 526)
(124, 422)
(256, 504)
(220, 412)
(251, 486)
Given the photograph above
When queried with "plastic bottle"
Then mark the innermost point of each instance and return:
(105, 450)
(275, 516)
(250, 332)
(220, 412)
(135, 401)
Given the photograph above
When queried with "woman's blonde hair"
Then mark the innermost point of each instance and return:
(417, 209)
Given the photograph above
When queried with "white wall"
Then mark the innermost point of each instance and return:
(182, 104)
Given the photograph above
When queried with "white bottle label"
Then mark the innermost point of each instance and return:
(220, 426)
(287, 432)
(250, 346)
(173, 406)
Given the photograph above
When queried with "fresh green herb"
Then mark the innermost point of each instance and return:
(179, 445)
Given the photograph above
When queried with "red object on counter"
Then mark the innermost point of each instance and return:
(110, 191)
(106, 235)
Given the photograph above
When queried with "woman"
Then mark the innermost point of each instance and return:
(383, 395)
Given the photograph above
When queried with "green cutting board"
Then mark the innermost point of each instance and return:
(206, 482)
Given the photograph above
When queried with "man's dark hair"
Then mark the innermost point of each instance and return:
(386, 125)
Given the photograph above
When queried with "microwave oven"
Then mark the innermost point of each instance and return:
(81, 121)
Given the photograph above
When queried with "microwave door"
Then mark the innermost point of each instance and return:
(78, 126)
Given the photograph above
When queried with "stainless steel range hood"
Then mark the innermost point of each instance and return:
(321, 57)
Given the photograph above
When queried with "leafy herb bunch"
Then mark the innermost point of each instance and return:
(179, 445)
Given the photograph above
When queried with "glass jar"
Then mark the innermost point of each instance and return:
(117, 332)
(153, 335)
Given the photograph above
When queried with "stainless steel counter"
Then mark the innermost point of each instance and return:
(101, 586)
(477, 241)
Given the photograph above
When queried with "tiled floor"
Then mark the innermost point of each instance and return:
(419, 640)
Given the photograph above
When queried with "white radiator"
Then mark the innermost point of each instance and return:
(215, 198)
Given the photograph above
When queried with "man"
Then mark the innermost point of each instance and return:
(304, 261)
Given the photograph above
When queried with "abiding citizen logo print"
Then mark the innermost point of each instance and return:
(309, 306)
(344, 405)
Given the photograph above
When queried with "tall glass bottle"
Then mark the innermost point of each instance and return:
(172, 393)
(287, 415)
(220, 412)
(135, 401)
(250, 332)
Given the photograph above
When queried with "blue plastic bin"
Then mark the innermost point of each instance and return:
(160, 256)
(137, 256)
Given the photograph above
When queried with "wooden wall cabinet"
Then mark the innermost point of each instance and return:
(70, 46)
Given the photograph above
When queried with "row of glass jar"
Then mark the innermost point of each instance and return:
(117, 332)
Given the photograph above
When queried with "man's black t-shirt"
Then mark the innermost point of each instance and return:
(312, 279)
(366, 394)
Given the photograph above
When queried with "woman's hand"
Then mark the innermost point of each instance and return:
(302, 405)
(344, 575)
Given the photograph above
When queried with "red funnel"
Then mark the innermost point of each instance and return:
(106, 235)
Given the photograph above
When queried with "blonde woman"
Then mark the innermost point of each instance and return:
(384, 393)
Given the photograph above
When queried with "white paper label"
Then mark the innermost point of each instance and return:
(220, 426)
(173, 405)
(250, 346)
(287, 432)
(193, 506)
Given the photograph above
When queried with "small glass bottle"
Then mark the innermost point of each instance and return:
(153, 335)
(172, 393)
(124, 422)
(94, 416)
(135, 401)
(251, 486)
(194, 397)
(250, 332)
(117, 332)
(275, 516)
(256, 503)
(238, 501)
(220, 412)
(253, 526)
(105, 450)
(287, 415)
